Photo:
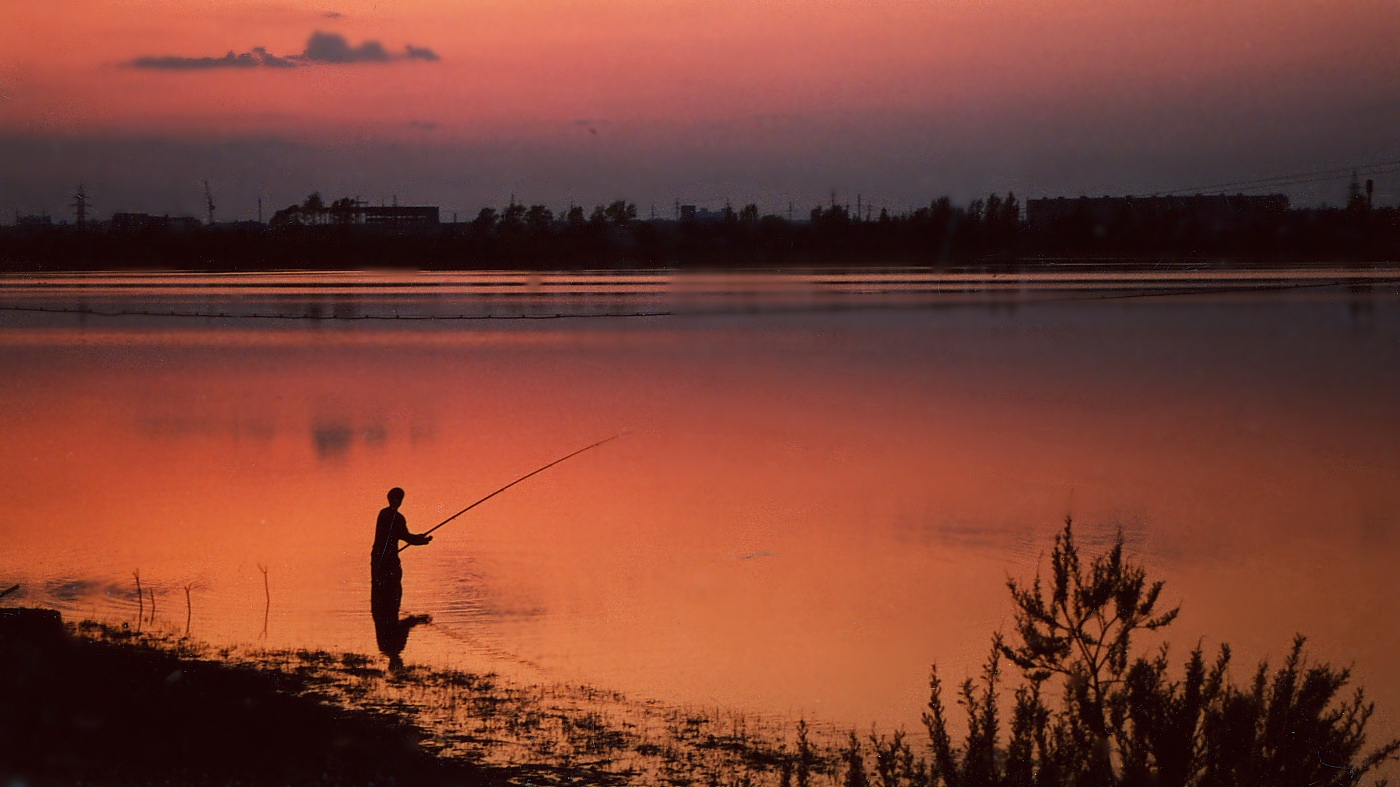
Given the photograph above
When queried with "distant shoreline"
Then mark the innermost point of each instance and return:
(986, 265)
(990, 234)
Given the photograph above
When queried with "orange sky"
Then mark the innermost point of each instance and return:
(768, 101)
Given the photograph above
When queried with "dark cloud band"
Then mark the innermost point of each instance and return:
(321, 49)
(258, 58)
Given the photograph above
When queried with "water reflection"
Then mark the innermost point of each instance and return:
(811, 508)
(390, 630)
(333, 439)
(166, 426)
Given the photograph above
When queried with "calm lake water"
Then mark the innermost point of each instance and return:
(823, 484)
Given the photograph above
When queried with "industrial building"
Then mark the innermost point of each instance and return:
(1213, 209)
(397, 216)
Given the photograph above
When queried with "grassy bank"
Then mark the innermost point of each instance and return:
(90, 704)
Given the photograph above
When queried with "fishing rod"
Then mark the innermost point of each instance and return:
(513, 483)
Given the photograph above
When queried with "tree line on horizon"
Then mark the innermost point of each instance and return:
(321, 234)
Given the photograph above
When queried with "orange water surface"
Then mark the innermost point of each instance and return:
(806, 509)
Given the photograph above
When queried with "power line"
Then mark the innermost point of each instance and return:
(1293, 179)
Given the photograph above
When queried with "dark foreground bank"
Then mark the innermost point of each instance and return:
(96, 705)
(96, 710)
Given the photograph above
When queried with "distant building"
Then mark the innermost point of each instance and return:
(691, 213)
(245, 225)
(1215, 209)
(130, 223)
(397, 216)
(37, 220)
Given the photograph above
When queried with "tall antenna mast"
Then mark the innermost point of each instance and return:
(80, 205)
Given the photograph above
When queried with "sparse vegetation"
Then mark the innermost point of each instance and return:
(1126, 719)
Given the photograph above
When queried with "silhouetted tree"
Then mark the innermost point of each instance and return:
(834, 217)
(286, 217)
(1010, 213)
(343, 211)
(484, 222)
(512, 217)
(539, 219)
(313, 208)
(975, 212)
(991, 213)
(621, 213)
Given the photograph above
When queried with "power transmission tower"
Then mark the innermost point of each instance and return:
(81, 205)
(209, 200)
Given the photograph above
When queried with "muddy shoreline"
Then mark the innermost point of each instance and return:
(88, 703)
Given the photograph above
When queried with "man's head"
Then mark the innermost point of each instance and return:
(395, 497)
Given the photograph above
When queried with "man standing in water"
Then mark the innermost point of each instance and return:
(386, 577)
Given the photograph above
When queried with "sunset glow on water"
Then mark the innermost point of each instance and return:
(805, 510)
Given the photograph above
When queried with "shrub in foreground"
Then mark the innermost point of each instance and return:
(1122, 719)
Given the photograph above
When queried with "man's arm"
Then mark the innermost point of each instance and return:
(401, 526)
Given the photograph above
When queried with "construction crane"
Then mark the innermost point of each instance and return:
(209, 200)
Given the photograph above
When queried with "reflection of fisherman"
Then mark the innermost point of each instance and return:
(386, 579)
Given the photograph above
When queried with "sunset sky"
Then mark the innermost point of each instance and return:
(462, 103)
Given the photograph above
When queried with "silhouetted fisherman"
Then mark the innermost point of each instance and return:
(386, 579)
